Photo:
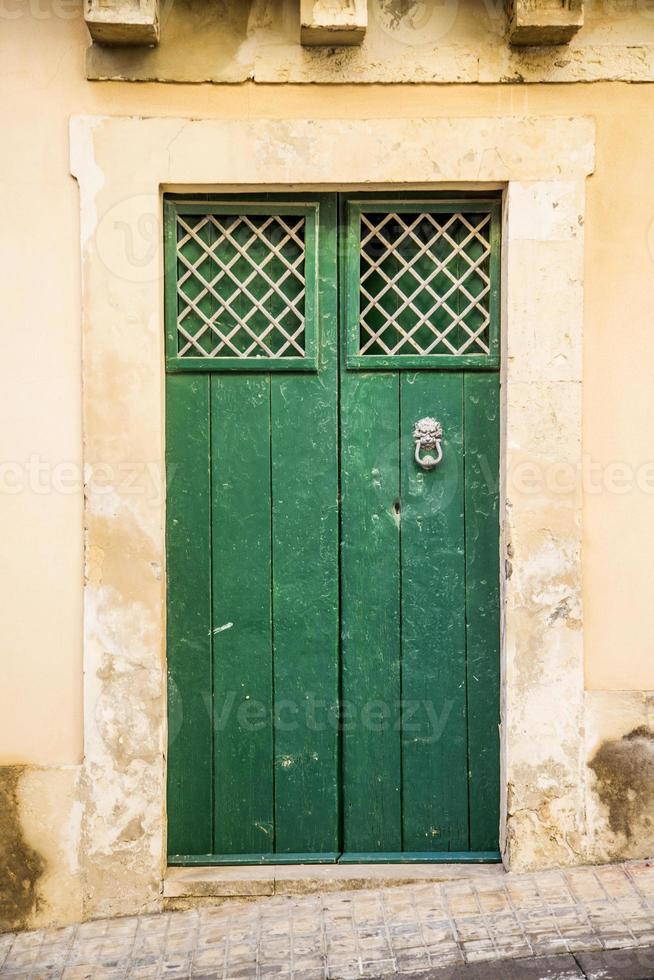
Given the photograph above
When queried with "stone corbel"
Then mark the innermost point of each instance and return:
(333, 22)
(123, 21)
(539, 22)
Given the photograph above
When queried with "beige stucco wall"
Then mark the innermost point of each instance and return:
(42, 85)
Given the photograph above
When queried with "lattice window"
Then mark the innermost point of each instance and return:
(241, 285)
(424, 283)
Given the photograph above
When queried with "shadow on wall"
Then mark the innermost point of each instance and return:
(624, 770)
(21, 866)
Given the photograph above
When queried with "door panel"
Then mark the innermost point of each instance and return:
(482, 434)
(371, 612)
(407, 607)
(304, 480)
(420, 551)
(190, 786)
(252, 454)
(305, 610)
(434, 763)
(242, 615)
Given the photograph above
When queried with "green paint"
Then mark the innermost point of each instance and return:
(254, 642)
(305, 584)
(406, 284)
(482, 433)
(371, 630)
(243, 860)
(188, 548)
(242, 617)
(435, 809)
(193, 272)
(421, 857)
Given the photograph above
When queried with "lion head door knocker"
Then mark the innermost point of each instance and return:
(427, 434)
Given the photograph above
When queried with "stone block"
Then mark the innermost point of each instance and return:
(123, 21)
(333, 22)
(544, 22)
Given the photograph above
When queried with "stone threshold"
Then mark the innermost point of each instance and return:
(185, 887)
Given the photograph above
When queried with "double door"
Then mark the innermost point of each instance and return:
(332, 431)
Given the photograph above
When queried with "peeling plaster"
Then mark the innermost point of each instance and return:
(407, 41)
(82, 161)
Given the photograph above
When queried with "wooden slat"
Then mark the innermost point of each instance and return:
(422, 857)
(305, 604)
(189, 615)
(242, 628)
(435, 796)
(220, 860)
(305, 584)
(481, 411)
(370, 603)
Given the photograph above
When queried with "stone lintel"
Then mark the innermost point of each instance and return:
(123, 21)
(333, 22)
(544, 22)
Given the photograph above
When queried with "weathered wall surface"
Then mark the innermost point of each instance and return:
(40, 814)
(406, 41)
(42, 77)
(620, 790)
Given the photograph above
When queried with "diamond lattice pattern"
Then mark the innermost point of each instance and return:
(240, 285)
(424, 283)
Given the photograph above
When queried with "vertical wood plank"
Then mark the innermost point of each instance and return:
(305, 583)
(370, 604)
(242, 628)
(189, 615)
(481, 409)
(434, 736)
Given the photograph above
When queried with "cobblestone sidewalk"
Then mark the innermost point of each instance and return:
(349, 934)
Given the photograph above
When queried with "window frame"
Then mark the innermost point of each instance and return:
(262, 204)
(408, 203)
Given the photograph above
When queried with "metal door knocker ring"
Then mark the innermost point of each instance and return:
(427, 434)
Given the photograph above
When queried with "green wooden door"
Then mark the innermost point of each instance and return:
(332, 703)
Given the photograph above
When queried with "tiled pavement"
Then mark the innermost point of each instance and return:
(348, 934)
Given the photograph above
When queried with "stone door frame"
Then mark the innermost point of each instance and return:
(123, 166)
